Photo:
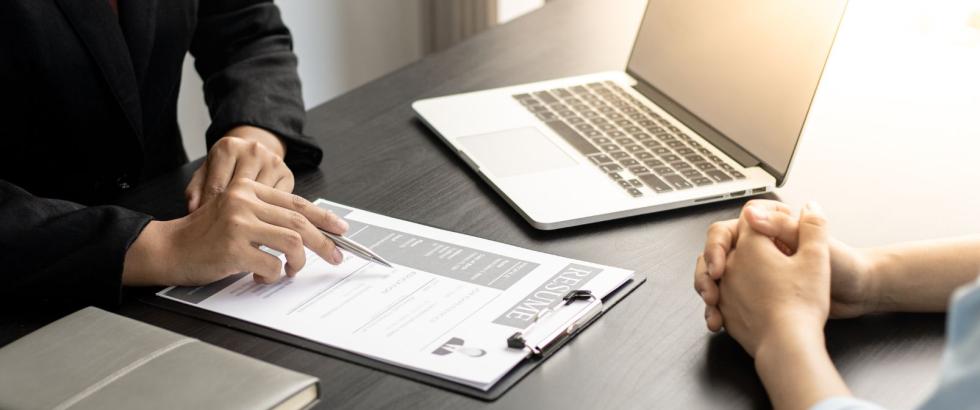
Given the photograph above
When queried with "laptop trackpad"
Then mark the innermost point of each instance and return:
(515, 152)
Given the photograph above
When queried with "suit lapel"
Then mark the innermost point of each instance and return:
(96, 25)
(138, 21)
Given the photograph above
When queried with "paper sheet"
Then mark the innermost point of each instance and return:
(445, 309)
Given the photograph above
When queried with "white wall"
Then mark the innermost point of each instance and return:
(341, 44)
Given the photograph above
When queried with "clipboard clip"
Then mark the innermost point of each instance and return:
(552, 328)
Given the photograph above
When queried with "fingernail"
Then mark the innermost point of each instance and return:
(343, 224)
(337, 256)
(711, 268)
(814, 207)
(759, 214)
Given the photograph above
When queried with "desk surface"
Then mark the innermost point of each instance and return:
(650, 351)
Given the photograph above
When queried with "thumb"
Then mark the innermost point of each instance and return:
(813, 233)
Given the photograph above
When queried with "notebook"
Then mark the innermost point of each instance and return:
(93, 359)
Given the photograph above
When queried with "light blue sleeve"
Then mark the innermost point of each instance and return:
(959, 382)
(845, 403)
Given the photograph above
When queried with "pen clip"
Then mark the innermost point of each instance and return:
(543, 337)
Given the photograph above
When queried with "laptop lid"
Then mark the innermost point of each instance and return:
(742, 73)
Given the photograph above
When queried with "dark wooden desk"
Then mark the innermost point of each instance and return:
(651, 351)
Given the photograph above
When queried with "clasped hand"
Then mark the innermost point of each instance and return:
(775, 270)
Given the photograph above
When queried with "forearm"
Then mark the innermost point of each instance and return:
(797, 371)
(921, 276)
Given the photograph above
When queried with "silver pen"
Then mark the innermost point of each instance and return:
(353, 247)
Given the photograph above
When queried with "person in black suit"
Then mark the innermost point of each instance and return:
(89, 110)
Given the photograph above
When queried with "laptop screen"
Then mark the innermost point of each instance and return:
(747, 68)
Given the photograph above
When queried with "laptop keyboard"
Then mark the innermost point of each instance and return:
(628, 141)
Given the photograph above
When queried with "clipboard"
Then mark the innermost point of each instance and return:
(564, 333)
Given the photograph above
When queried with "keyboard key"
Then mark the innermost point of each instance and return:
(619, 155)
(684, 151)
(573, 138)
(566, 113)
(670, 158)
(602, 140)
(546, 116)
(632, 129)
(643, 155)
(578, 89)
(726, 167)
(694, 158)
(642, 136)
(623, 183)
(629, 162)
(574, 120)
(691, 173)
(624, 123)
(651, 143)
(675, 144)
(538, 108)
(584, 127)
(718, 176)
(639, 169)
(677, 181)
(561, 92)
(737, 174)
(704, 166)
(701, 181)
(656, 184)
(636, 183)
(614, 116)
(610, 147)
(663, 170)
(636, 193)
(590, 114)
(599, 159)
(611, 168)
(607, 127)
(615, 133)
(653, 163)
(546, 97)
(592, 134)
(681, 165)
(661, 151)
(634, 148)
(522, 96)
(625, 141)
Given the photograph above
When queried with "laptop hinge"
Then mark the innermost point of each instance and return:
(706, 131)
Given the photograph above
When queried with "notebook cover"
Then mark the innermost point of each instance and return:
(93, 359)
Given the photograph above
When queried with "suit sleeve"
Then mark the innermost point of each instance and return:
(243, 52)
(59, 251)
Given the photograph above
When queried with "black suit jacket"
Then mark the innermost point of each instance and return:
(89, 108)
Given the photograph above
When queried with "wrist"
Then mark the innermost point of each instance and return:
(875, 286)
(147, 258)
(796, 369)
(266, 138)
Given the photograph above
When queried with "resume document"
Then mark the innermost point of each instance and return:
(445, 309)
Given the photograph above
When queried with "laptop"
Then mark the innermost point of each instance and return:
(710, 107)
